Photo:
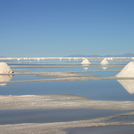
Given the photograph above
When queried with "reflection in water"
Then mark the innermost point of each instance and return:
(85, 67)
(128, 85)
(104, 68)
(5, 78)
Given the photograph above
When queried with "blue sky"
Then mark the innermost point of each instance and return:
(36, 28)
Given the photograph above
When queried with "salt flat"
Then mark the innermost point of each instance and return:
(59, 127)
(63, 71)
(60, 102)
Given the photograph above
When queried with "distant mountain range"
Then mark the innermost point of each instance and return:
(108, 55)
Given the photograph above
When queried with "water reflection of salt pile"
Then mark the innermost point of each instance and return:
(5, 78)
(128, 85)
(104, 68)
(85, 67)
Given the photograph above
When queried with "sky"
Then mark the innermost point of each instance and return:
(48, 28)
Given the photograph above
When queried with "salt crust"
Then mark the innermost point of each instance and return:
(60, 102)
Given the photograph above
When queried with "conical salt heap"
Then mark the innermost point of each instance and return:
(85, 62)
(104, 61)
(4, 68)
(127, 71)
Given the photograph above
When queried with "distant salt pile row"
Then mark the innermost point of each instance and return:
(127, 71)
(86, 62)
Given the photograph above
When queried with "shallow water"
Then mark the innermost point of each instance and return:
(49, 116)
(102, 130)
(93, 89)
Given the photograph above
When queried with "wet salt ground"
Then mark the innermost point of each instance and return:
(49, 115)
(102, 130)
(96, 90)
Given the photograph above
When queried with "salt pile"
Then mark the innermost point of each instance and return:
(104, 61)
(4, 68)
(85, 62)
(127, 71)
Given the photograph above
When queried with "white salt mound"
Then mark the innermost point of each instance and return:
(127, 71)
(85, 61)
(4, 68)
(104, 61)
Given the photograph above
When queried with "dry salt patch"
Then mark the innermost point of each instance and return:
(60, 102)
